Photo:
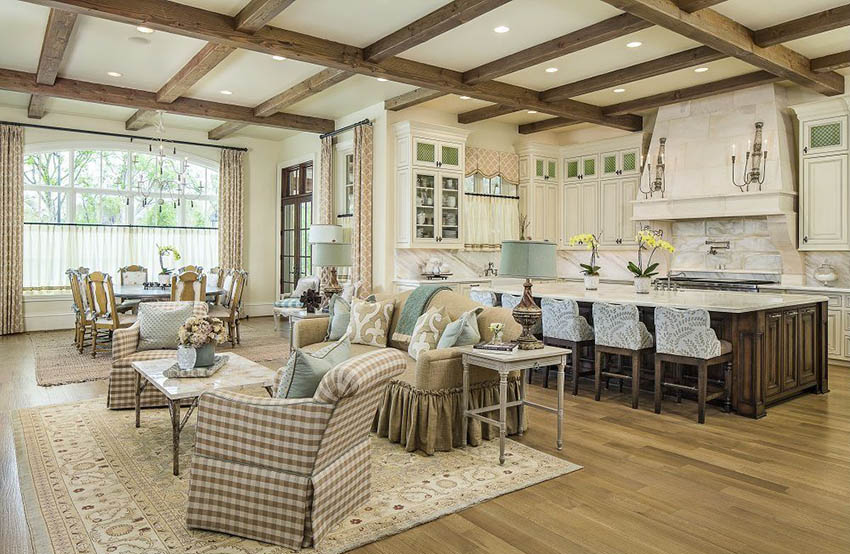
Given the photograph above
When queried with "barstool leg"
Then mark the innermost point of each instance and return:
(678, 382)
(727, 386)
(702, 386)
(659, 377)
(635, 379)
(597, 380)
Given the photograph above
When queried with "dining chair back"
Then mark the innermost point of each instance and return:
(227, 287)
(215, 276)
(193, 268)
(81, 310)
(189, 286)
(133, 275)
(101, 296)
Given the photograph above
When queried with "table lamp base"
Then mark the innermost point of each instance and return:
(527, 314)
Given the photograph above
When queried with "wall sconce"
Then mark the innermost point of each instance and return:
(658, 184)
(756, 160)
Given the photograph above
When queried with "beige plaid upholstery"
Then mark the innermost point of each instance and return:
(122, 379)
(285, 471)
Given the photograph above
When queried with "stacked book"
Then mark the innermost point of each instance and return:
(503, 347)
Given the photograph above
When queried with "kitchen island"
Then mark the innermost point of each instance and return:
(779, 341)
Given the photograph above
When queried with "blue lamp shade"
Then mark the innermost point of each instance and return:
(531, 259)
(326, 233)
(331, 254)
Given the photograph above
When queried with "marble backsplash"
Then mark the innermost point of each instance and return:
(839, 260)
(750, 245)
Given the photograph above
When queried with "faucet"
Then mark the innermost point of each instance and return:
(670, 285)
(716, 245)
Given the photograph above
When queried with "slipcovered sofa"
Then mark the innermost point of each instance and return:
(422, 408)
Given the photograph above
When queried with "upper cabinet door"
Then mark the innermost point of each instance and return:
(628, 228)
(610, 212)
(572, 171)
(450, 208)
(610, 165)
(824, 135)
(824, 204)
(629, 162)
(450, 156)
(589, 169)
(539, 168)
(551, 168)
(425, 153)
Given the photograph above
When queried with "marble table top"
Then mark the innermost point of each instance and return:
(238, 373)
(713, 301)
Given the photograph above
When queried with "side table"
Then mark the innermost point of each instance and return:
(295, 317)
(520, 360)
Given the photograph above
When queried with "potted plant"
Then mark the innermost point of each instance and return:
(591, 270)
(166, 251)
(198, 336)
(647, 239)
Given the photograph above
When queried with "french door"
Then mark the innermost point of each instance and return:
(296, 216)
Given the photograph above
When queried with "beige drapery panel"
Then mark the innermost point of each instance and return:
(361, 233)
(326, 201)
(231, 196)
(11, 229)
(491, 163)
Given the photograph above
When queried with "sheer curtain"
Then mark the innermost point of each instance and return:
(50, 249)
(488, 220)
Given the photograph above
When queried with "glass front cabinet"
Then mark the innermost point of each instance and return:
(429, 185)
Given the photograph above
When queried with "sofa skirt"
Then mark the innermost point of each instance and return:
(431, 421)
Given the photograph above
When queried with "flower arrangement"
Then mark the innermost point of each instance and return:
(648, 239)
(200, 331)
(590, 242)
(165, 251)
(496, 328)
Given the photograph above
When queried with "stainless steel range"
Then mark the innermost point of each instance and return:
(714, 280)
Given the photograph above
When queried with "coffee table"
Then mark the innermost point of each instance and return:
(238, 373)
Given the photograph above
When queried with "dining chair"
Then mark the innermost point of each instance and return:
(230, 314)
(189, 286)
(227, 287)
(105, 317)
(193, 268)
(82, 321)
(215, 276)
(131, 275)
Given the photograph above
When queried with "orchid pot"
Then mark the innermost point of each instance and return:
(647, 240)
(591, 270)
(591, 282)
(643, 285)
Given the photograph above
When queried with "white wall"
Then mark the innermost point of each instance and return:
(260, 205)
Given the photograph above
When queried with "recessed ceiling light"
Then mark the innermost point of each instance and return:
(619, 90)
(464, 97)
(226, 92)
(531, 111)
(278, 58)
(143, 29)
(551, 69)
(634, 44)
(701, 69)
(501, 29)
(114, 74)
(381, 80)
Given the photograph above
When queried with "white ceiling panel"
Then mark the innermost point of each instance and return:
(765, 13)
(355, 93)
(453, 104)
(602, 58)
(22, 34)
(530, 21)
(521, 117)
(823, 44)
(228, 7)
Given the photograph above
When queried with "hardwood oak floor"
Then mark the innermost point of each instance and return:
(650, 484)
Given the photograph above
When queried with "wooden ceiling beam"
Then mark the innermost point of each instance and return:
(693, 93)
(803, 27)
(60, 24)
(225, 130)
(692, 6)
(652, 68)
(545, 125)
(258, 13)
(19, 81)
(187, 20)
(486, 112)
(140, 119)
(727, 36)
(831, 62)
(412, 98)
(444, 18)
(609, 29)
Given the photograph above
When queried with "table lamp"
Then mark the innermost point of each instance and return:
(527, 259)
(331, 255)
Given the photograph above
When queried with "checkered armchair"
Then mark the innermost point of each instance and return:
(285, 471)
(121, 393)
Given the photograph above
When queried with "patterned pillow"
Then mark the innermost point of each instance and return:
(370, 322)
(463, 331)
(303, 372)
(158, 326)
(427, 331)
(339, 314)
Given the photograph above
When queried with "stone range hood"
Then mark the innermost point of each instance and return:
(698, 172)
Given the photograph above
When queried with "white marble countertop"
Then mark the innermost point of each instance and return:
(451, 280)
(817, 289)
(714, 301)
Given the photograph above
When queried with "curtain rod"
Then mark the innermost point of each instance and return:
(485, 195)
(346, 128)
(121, 135)
(121, 225)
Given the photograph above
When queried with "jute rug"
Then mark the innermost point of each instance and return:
(57, 361)
(92, 482)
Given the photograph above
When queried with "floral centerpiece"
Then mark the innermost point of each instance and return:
(591, 270)
(497, 328)
(166, 251)
(647, 239)
(199, 335)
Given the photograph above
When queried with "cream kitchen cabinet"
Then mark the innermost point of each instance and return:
(615, 211)
(618, 163)
(581, 168)
(440, 154)
(580, 209)
(824, 135)
(539, 191)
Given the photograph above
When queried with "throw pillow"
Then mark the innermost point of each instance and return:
(303, 371)
(339, 314)
(463, 331)
(370, 322)
(158, 326)
(426, 333)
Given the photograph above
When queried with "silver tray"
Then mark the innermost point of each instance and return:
(175, 372)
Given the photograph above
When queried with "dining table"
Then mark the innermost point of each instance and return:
(132, 292)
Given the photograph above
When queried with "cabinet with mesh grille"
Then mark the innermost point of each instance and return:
(821, 136)
(618, 163)
(432, 153)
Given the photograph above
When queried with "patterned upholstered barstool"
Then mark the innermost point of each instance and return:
(483, 297)
(563, 325)
(686, 337)
(619, 332)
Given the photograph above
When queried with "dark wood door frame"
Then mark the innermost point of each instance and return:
(296, 191)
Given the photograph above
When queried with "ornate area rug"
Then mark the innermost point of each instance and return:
(92, 482)
(57, 361)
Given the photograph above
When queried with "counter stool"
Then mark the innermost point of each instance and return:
(564, 326)
(485, 298)
(686, 337)
(619, 332)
